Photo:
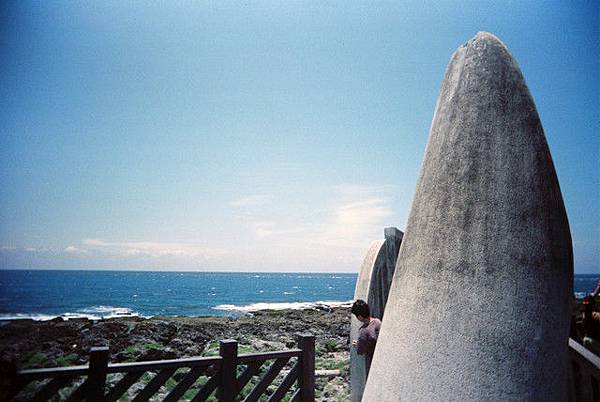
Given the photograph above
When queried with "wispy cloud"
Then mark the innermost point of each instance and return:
(331, 233)
(75, 250)
(255, 200)
(156, 249)
(351, 216)
(270, 229)
(357, 216)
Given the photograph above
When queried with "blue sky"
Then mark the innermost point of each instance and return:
(269, 136)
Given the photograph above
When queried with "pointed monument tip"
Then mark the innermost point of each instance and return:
(483, 36)
(485, 50)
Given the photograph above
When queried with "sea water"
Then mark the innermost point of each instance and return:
(45, 294)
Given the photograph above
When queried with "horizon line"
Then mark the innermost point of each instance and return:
(174, 271)
(209, 271)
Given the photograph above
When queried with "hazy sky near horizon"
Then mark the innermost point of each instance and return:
(264, 136)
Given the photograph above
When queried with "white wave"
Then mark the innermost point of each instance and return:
(283, 306)
(91, 313)
(105, 311)
(36, 317)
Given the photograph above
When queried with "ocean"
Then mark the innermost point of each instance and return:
(45, 294)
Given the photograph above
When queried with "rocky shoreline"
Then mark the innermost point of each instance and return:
(37, 344)
(28, 344)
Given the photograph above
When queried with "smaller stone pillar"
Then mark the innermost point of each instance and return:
(373, 286)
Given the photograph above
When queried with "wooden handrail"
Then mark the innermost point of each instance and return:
(252, 357)
(39, 374)
(224, 374)
(77, 371)
(584, 355)
(163, 364)
(585, 373)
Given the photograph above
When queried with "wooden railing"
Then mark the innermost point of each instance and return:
(585, 373)
(195, 379)
(199, 378)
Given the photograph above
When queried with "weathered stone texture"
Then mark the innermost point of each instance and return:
(372, 286)
(479, 305)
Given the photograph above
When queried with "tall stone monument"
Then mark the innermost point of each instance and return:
(372, 286)
(481, 308)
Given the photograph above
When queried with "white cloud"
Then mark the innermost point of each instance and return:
(336, 231)
(75, 250)
(358, 216)
(255, 200)
(95, 242)
(156, 249)
(332, 232)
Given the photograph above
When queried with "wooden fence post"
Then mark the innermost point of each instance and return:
(96, 382)
(307, 374)
(228, 349)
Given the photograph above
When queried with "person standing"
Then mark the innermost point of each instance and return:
(591, 324)
(367, 333)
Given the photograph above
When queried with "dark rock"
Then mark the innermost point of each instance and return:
(157, 354)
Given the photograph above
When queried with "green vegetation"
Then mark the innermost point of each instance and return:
(193, 390)
(330, 345)
(147, 377)
(138, 348)
(170, 384)
(67, 360)
(37, 359)
(211, 349)
(64, 393)
(133, 351)
(323, 363)
(243, 349)
(190, 394)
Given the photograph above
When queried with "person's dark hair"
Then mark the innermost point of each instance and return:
(360, 307)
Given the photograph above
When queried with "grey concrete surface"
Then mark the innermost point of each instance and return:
(372, 286)
(481, 308)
